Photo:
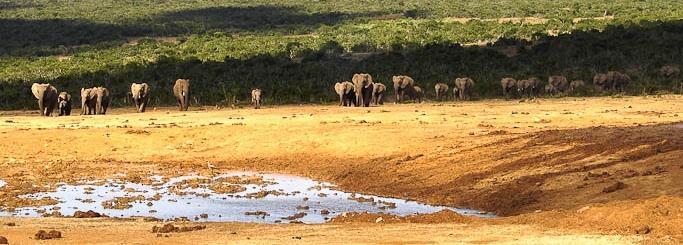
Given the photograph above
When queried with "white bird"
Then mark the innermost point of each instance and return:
(211, 167)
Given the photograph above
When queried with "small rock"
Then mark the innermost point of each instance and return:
(11, 224)
(324, 212)
(614, 187)
(645, 229)
(3, 240)
(204, 216)
(380, 219)
(303, 207)
(538, 211)
(581, 210)
(43, 235)
(88, 214)
(296, 237)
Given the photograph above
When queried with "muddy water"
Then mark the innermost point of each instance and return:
(274, 198)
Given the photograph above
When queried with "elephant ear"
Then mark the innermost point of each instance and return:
(145, 88)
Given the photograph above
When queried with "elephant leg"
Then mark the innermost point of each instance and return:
(41, 107)
(341, 100)
(380, 99)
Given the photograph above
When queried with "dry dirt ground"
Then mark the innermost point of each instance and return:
(550, 168)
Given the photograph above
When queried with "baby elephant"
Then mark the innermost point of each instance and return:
(378, 91)
(347, 93)
(64, 104)
(256, 98)
(441, 90)
(140, 92)
(418, 94)
(576, 85)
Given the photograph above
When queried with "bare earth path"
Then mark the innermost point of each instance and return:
(536, 163)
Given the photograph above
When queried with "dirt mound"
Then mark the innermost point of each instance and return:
(443, 216)
(169, 228)
(3, 240)
(44, 235)
(88, 214)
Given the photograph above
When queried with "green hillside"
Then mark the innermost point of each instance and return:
(296, 49)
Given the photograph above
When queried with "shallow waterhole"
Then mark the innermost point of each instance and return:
(235, 196)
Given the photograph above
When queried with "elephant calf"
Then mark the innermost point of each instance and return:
(441, 89)
(575, 85)
(46, 95)
(256, 98)
(346, 92)
(378, 91)
(64, 104)
(417, 94)
(464, 86)
(181, 90)
(140, 92)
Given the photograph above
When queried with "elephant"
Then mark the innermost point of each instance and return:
(181, 90)
(401, 85)
(670, 71)
(548, 89)
(46, 95)
(611, 80)
(417, 94)
(378, 91)
(88, 100)
(346, 92)
(363, 87)
(441, 89)
(256, 98)
(528, 87)
(559, 84)
(575, 85)
(508, 84)
(464, 85)
(140, 92)
(64, 104)
(102, 100)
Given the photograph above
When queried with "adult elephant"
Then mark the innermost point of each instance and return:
(441, 89)
(88, 100)
(64, 104)
(508, 84)
(465, 85)
(140, 92)
(529, 87)
(402, 84)
(181, 90)
(620, 80)
(602, 82)
(346, 92)
(102, 100)
(46, 95)
(559, 83)
(378, 91)
(363, 87)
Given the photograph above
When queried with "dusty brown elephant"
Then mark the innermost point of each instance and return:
(46, 95)
(402, 84)
(529, 87)
(441, 90)
(88, 100)
(181, 90)
(620, 80)
(102, 100)
(508, 84)
(64, 104)
(378, 91)
(346, 92)
(464, 85)
(612, 80)
(363, 87)
(576, 85)
(140, 92)
(670, 71)
(256, 98)
(559, 84)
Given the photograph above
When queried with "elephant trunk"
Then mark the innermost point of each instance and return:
(98, 105)
(41, 105)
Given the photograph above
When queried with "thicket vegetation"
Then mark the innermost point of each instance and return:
(295, 50)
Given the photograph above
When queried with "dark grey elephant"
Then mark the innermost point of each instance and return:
(464, 86)
(670, 71)
(346, 92)
(256, 98)
(508, 84)
(441, 90)
(559, 84)
(378, 92)
(363, 87)
(181, 90)
(140, 92)
(402, 84)
(612, 80)
(46, 95)
(64, 104)
(102, 100)
(88, 100)
(529, 87)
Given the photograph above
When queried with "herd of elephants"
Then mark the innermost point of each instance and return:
(361, 91)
